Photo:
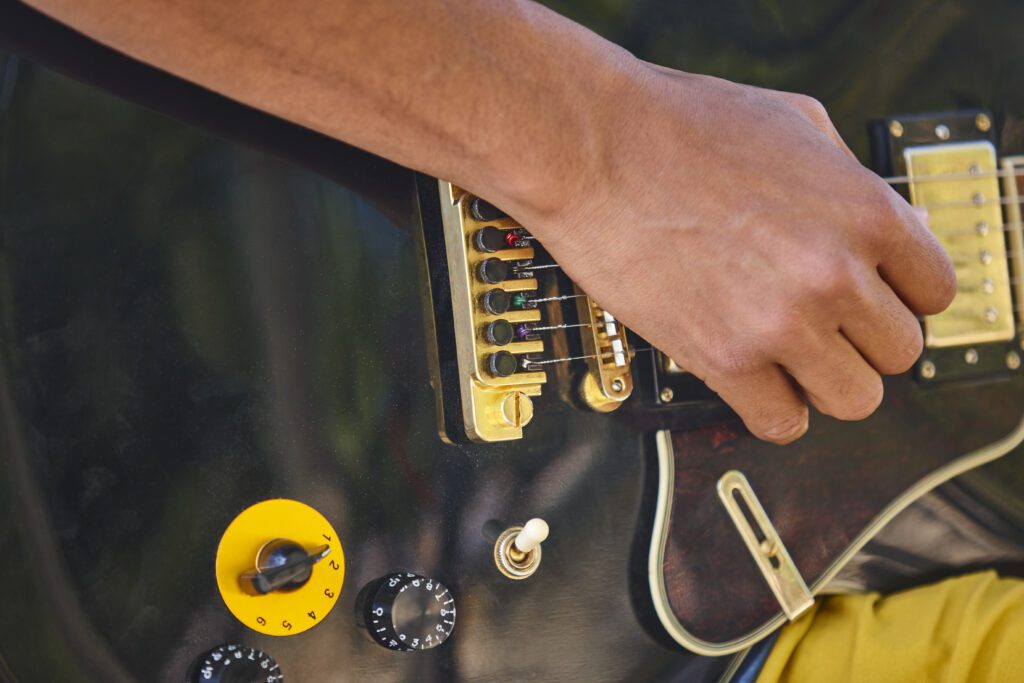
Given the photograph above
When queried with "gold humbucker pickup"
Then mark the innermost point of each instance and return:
(1013, 192)
(494, 407)
(958, 183)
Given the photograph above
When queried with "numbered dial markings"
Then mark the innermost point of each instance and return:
(236, 664)
(292, 608)
(406, 612)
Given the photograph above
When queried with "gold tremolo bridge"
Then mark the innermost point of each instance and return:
(508, 328)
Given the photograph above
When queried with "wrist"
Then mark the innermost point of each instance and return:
(556, 170)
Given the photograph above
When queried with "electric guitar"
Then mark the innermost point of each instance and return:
(745, 533)
(229, 440)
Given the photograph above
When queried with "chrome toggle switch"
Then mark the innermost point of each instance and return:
(517, 550)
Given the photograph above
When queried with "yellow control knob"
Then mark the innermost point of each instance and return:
(280, 567)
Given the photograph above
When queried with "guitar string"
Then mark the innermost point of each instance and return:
(527, 363)
(944, 232)
(963, 257)
(564, 297)
(563, 326)
(905, 180)
(944, 177)
(895, 180)
(969, 204)
(966, 257)
(953, 232)
(892, 180)
(534, 364)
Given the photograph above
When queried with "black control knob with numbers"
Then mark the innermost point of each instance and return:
(406, 612)
(236, 664)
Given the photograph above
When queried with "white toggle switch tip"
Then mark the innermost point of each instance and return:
(533, 534)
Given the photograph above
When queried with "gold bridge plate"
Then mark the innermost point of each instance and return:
(966, 217)
(484, 406)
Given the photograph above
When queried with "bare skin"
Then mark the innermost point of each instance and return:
(727, 224)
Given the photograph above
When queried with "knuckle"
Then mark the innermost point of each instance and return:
(782, 332)
(861, 403)
(834, 282)
(906, 354)
(880, 219)
(937, 283)
(814, 110)
(732, 362)
(825, 281)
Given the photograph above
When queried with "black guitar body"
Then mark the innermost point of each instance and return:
(202, 308)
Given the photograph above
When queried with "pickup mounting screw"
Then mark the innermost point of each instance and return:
(971, 356)
(667, 395)
(942, 131)
(983, 123)
(927, 369)
(896, 129)
(1013, 360)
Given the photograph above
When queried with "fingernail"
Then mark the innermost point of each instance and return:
(787, 431)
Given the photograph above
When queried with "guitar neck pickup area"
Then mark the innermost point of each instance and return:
(958, 183)
(1013, 192)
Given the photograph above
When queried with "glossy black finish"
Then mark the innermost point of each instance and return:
(197, 316)
(190, 326)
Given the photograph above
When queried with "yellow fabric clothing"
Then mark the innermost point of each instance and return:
(969, 628)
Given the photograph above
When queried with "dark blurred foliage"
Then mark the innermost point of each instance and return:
(863, 59)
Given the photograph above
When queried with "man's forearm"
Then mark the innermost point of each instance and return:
(803, 290)
(498, 97)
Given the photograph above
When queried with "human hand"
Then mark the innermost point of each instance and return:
(733, 229)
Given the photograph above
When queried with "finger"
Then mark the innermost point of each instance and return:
(914, 263)
(766, 401)
(883, 329)
(835, 377)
